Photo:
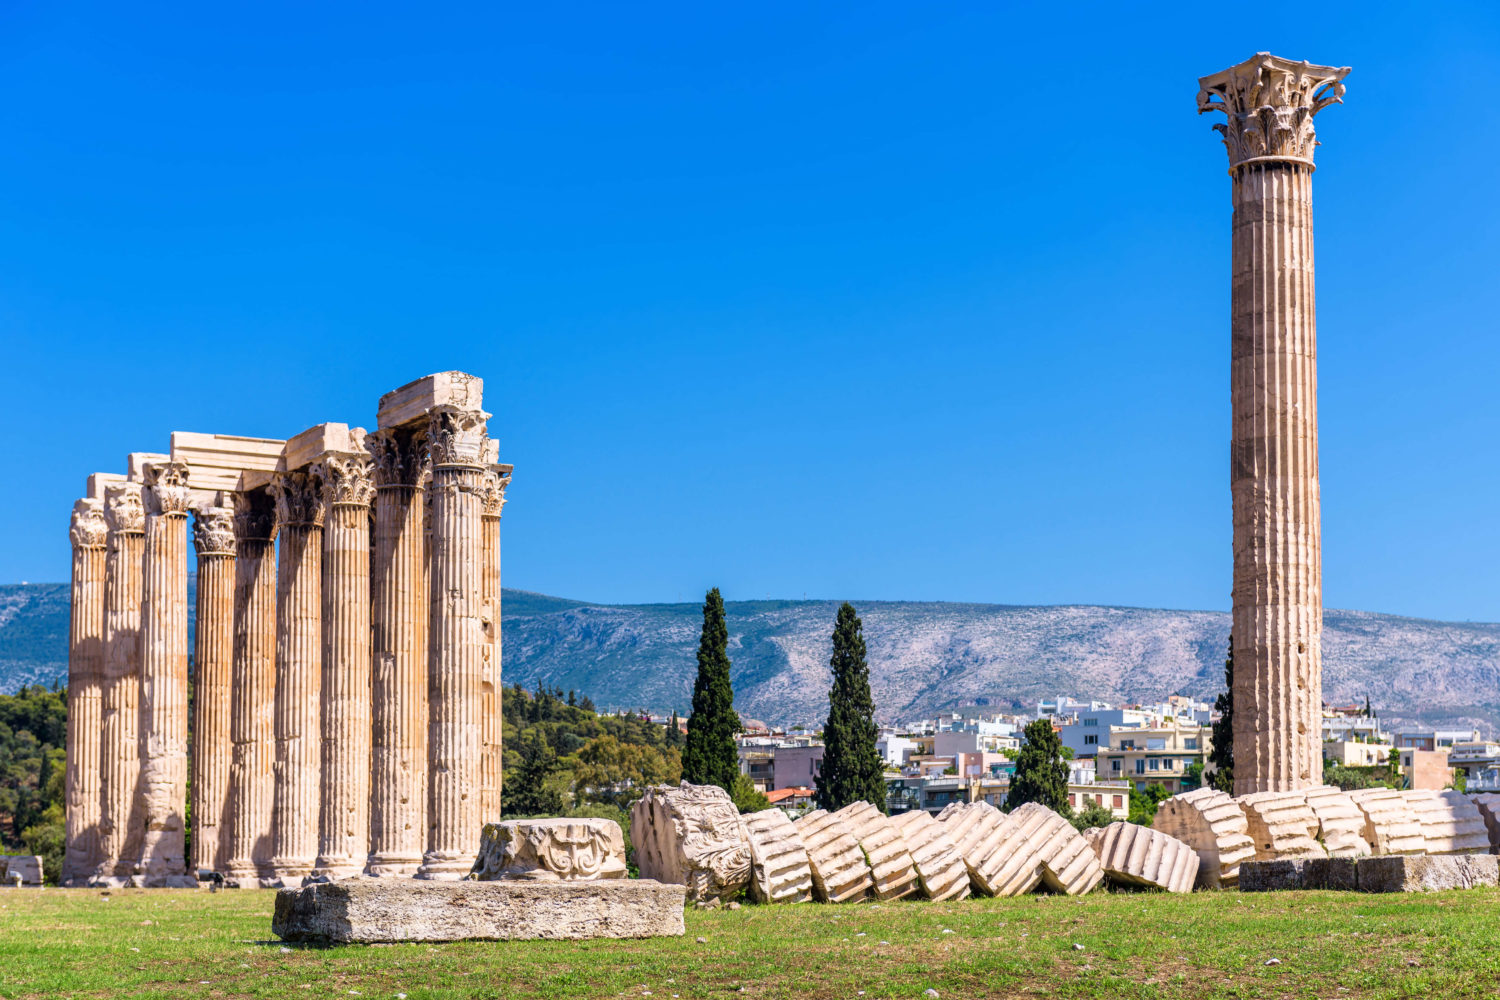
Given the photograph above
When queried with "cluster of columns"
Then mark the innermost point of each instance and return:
(345, 665)
(1269, 104)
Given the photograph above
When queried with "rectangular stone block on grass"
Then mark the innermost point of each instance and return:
(367, 910)
(1426, 873)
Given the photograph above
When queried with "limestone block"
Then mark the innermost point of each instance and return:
(1405, 873)
(1488, 804)
(779, 866)
(413, 400)
(1140, 856)
(1215, 827)
(1450, 822)
(569, 850)
(1064, 858)
(941, 871)
(840, 872)
(1299, 873)
(1341, 824)
(999, 861)
(891, 865)
(21, 869)
(302, 450)
(398, 909)
(97, 482)
(219, 461)
(1281, 825)
(691, 835)
(1390, 825)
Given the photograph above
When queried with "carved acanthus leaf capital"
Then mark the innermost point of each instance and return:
(457, 437)
(299, 499)
(496, 481)
(1270, 103)
(88, 529)
(346, 479)
(124, 512)
(254, 516)
(400, 457)
(213, 531)
(166, 489)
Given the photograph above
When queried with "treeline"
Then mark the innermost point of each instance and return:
(33, 748)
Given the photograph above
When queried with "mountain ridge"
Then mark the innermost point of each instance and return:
(925, 656)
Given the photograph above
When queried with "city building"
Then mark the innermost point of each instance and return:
(1434, 739)
(1356, 753)
(1154, 755)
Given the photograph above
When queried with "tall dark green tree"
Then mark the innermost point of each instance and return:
(710, 756)
(673, 735)
(1222, 754)
(1041, 770)
(852, 771)
(530, 791)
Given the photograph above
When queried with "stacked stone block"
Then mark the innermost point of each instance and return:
(940, 868)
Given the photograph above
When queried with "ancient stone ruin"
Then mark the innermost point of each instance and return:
(347, 651)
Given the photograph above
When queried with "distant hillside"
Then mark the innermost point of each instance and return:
(924, 656)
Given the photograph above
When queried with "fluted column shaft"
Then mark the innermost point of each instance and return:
(164, 674)
(344, 821)
(119, 809)
(299, 666)
(85, 678)
(495, 482)
(1269, 104)
(1278, 608)
(253, 678)
(456, 643)
(398, 800)
(213, 539)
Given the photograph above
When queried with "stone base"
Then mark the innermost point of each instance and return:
(389, 910)
(1386, 873)
(1429, 873)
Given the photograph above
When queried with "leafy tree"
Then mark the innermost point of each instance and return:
(747, 798)
(1143, 803)
(1192, 776)
(33, 734)
(851, 771)
(531, 791)
(710, 757)
(616, 773)
(1092, 814)
(1222, 754)
(1397, 778)
(1041, 771)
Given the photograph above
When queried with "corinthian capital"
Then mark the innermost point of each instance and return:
(254, 516)
(88, 530)
(346, 479)
(299, 499)
(495, 482)
(456, 436)
(123, 511)
(166, 488)
(400, 456)
(1270, 103)
(213, 531)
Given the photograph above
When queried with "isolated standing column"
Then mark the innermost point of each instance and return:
(85, 670)
(213, 669)
(119, 815)
(496, 480)
(398, 764)
(253, 679)
(1278, 608)
(344, 820)
(456, 641)
(299, 669)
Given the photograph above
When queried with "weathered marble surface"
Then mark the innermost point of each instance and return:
(691, 835)
(941, 871)
(399, 909)
(567, 850)
(1214, 825)
(780, 869)
(840, 872)
(1140, 856)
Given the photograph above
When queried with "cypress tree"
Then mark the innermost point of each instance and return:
(852, 771)
(710, 757)
(674, 731)
(526, 791)
(1222, 754)
(1041, 771)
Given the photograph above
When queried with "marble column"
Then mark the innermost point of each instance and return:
(299, 669)
(164, 674)
(398, 773)
(456, 641)
(1269, 104)
(496, 480)
(120, 771)
(85, 677)
(253, 679)
(213, 670)
(344, 820)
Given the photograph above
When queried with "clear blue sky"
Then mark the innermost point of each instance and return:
(904, 301)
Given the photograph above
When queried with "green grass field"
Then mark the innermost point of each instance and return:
(60, 943)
